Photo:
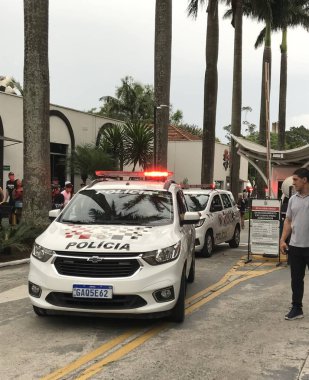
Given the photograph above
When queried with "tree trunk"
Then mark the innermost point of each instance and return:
(236, 99)
(162, 77)
(37, 188)
(210, 93)
(262, 133)
(283, 90)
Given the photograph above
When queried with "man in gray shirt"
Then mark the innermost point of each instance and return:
(297, 224)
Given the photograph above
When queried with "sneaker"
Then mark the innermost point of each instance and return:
(294, 313)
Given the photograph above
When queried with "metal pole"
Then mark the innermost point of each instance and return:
(268, 155)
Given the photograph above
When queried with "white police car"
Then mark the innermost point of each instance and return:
(220, 218)
(118, 247)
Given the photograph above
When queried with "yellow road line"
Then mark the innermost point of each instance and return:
(218, 288)
(97, 367)
(90, 356)
(228, 286)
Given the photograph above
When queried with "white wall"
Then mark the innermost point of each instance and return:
(85, 128)
(185, 160)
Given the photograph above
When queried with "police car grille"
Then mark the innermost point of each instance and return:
(117, 302)
(99, 254)
(81, 267)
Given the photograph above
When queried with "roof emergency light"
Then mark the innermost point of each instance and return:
(209, 186)
(143, 175)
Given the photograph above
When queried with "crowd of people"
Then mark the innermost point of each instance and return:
(13, 197)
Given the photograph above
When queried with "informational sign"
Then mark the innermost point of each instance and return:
(265, 227)
(6, 167)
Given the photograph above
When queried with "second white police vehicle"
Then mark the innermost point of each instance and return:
(220, 217)
(118, 247)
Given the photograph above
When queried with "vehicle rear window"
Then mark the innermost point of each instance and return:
(196, 202)
(119, 207)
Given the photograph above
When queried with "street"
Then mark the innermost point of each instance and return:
(234, 329)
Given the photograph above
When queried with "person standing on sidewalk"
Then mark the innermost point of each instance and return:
(297, 224)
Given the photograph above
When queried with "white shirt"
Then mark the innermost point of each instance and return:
(67, 197)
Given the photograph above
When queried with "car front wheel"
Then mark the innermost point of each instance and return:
(208, 245)
(191, 276)
(178, 311)
(234, 243)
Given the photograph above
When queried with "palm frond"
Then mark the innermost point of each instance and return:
(260, 38)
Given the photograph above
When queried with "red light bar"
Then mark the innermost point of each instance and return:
(117, 174)
(157, 174)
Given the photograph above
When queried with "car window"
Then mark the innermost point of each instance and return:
(119, 207)
(216, 204)
(232, 199)
(196, 202)
(226, 201)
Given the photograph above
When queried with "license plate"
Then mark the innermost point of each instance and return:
(92, 291)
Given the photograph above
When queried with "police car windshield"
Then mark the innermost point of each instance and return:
(119, 206)
(196, 202)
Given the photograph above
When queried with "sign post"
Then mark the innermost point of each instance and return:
(264, 232)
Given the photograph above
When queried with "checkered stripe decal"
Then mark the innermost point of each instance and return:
(106, 232)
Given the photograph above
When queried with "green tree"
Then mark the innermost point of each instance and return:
(36, 114)
(287, 13)
(162, 77)
(112, 142)
(191, 128)
(138, 144)
(210, 86)
(133, 101)
(296, 137)
(177, 117)
(87, 158)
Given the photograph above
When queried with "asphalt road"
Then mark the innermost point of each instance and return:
(234, 329)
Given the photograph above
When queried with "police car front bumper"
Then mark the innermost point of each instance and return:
(137, 292)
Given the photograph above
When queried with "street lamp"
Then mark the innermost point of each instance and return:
(155, 108)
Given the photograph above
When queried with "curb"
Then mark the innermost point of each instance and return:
(16, 262)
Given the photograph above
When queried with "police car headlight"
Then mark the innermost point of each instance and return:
(41, 253)
(162, 256)
(200, 223)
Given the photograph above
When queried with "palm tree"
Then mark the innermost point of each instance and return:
(210, 86)
(287, 13)
(237, 94)
(162, 77)
(36, 113)
(138, 144)
(112, 142)
(133, 101)
(88, 158)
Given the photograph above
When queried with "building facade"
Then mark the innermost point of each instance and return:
(70, 128)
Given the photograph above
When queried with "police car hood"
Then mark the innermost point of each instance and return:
(107, 238)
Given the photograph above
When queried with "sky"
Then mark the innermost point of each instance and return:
(95, 43)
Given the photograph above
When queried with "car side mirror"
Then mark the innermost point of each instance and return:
(53, 214)
(191, 217)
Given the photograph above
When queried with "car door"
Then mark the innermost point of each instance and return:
(188, 231)
(228, 217)
(216, 214)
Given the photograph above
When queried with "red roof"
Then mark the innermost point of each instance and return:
(177, 134)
